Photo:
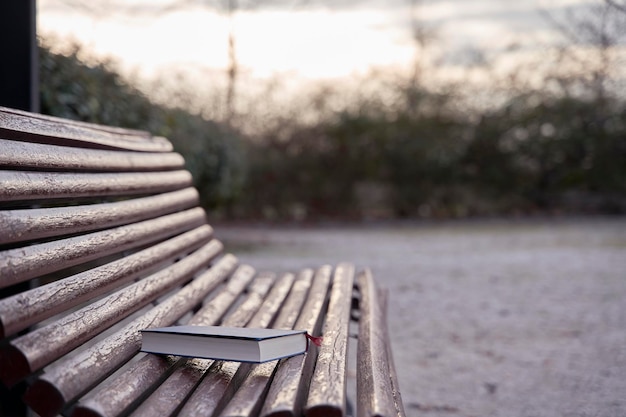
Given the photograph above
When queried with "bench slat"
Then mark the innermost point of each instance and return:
(376, 395)
(37, 156)
(27, 185)
(292, 309)
(259, 289)
(290, 385)
(18, 125)
(25, 309)
(214, 310)
(21, 264)
(393, 375)
(168, 397)
(267, 313)
(66, 380)
(223, 378)
(116, 395)
(327, 395)
(110, 400)
(249, 398)
(31, 224)
(28, 355)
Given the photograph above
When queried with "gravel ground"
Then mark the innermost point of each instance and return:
(501, 318)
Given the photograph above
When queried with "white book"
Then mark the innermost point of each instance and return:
(240, 344)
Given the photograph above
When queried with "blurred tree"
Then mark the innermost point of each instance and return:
(559, 144)
(591, 36)
(594, 101)
(97, 93)
(422, 36)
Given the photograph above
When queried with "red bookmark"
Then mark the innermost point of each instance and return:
(317, 341)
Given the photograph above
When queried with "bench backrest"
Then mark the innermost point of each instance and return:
(93, 224)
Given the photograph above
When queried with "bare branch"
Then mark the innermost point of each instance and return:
(620, 7)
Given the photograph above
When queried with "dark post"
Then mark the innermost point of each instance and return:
(19, 89)
(19, 63)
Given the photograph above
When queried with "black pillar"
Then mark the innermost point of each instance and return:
(19, 89)
(19, 62)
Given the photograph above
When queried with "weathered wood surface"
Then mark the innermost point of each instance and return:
(393, 375)
(377, 393)
(21, 264)
(327, 394)
(28, 354)
(66, 380)
(223, 378)
(33, 224)
(220, 378)
(116, 396)
(30, 185)
(19, 125)
(176, 388)
(251, 392)
(22, 310)
(37, 156)
(291, 382)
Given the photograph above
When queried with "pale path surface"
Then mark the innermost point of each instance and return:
(515, 319)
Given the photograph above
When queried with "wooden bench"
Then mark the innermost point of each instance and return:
(101, 236)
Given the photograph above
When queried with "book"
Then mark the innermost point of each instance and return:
(240, 344)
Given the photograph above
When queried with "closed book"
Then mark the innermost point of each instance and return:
(240, 344)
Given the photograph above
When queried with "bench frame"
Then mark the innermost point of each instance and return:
(102, 236)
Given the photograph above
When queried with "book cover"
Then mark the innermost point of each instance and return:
(241, 344)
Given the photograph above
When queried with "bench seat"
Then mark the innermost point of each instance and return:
(102, 236)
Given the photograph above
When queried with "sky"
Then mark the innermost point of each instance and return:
(301, 40)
